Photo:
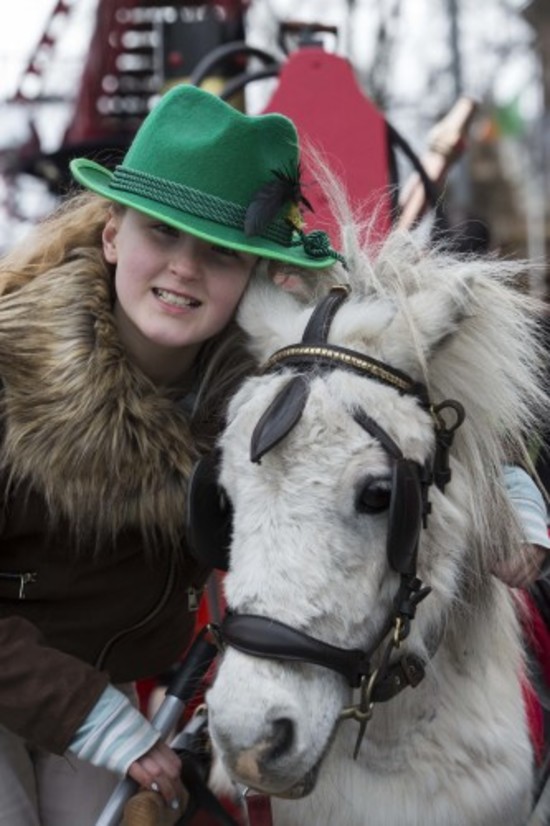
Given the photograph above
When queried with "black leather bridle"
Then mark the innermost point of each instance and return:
(264, 637)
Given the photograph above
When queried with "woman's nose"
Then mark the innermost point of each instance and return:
(185, 261)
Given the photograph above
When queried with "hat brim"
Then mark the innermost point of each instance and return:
(97, 178)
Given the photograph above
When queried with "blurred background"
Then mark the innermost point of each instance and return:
(78, 76)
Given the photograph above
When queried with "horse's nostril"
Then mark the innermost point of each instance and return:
(283, 737)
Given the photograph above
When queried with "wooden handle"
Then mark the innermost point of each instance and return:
(446, 143)
(149, 809)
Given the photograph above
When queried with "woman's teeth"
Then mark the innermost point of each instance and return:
(175, 299)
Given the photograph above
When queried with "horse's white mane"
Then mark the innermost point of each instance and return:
(459, 323)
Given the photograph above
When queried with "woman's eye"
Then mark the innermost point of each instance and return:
(373, 496)
(162, 232)
(225, 251)
(164, 229)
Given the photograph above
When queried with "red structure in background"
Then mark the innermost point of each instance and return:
(336, 120)
(137, 49)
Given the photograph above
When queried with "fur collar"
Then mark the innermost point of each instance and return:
(83, 426)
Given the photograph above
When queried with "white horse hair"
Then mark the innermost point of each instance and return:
(456, 749)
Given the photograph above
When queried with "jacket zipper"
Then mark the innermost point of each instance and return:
(105, 651)
(23, 578)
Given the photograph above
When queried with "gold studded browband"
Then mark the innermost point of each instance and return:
(331, 356)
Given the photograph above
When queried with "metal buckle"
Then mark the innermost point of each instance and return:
(362, 712)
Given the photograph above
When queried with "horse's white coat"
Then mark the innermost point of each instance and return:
(456, 749)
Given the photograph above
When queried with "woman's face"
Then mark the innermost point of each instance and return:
(173, 291)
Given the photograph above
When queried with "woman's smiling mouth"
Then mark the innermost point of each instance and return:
(175, 299)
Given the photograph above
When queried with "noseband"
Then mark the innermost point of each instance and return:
(264, 637)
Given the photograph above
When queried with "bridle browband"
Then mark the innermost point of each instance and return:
(315, 351)
(331, 356)
(261, 636)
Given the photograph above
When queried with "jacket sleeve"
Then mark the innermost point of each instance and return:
(114, 733)
(45, 694)
(529, 505)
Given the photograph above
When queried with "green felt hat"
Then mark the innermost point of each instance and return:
(202, 166)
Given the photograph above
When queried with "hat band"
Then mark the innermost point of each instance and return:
(190, 200)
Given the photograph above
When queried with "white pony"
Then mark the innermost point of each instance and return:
(343, 456)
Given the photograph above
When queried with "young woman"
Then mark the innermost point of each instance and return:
(118, 352)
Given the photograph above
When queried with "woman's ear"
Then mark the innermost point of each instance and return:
(108, 237)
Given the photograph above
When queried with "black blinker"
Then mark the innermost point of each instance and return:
(405, 516)
(209, 515)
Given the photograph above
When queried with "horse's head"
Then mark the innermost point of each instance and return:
(332, 459)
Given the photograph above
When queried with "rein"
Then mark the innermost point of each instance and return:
(264, 637)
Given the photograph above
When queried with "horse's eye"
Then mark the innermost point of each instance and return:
(373, 495)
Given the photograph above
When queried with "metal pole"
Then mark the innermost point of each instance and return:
(181, 689)
(456, 58)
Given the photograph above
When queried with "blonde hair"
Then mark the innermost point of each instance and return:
(75, 225)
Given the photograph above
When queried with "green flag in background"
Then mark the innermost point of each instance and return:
(509, 119)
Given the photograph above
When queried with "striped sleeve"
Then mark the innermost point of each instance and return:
(529, 505)
(114, 733)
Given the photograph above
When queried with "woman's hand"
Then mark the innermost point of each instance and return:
(159, 770)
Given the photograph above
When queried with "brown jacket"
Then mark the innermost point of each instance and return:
(94, 581)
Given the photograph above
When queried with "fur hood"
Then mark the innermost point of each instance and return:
(84, 427)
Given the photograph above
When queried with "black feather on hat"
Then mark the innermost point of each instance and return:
(286, 188)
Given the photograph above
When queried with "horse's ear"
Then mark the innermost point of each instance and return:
(271, 316)
(430, 317)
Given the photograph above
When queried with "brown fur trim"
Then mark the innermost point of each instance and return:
(86, 429)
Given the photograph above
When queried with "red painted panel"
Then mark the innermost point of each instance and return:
(320, 93)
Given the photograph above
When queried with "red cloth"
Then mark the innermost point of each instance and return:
(533, 709)
(537, 638)
(259, 813)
